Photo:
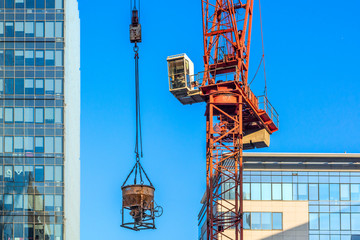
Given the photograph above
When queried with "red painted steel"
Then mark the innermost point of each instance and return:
(232, 110)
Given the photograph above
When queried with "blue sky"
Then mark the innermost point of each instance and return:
(312, 59)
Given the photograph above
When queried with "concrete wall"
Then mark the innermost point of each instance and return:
(72, 121)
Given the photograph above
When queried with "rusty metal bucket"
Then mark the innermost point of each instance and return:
(138, 196)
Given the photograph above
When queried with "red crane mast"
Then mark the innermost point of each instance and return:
(234, 115)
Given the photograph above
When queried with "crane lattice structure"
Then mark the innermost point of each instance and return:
(236, 119)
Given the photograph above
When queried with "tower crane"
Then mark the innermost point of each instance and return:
(236, 119)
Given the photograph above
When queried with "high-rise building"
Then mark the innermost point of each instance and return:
(295, 196)
(39, 120)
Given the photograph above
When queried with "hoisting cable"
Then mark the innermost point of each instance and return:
(135, 37)
(263, 49)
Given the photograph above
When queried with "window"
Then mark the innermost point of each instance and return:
(303, 192)
(266, 221)
(18, 203)
(277, 221)
(334, 192)
(324, 191)
(276, 191)
(19, 86)
(345, 221)
(58, 203)
(334, 221)
(345, 192)
(2, 57)
(9, 3)
(39, 144)
(246, 221)
(18, 144)
(28, 203)
(355, 222)
(29, 115)
(50, 3)
(58, 173)
(255, 221)
(29, 86)
(29, 173)
(9, 86)
(19, 114)
(39, 55)
(355, 192)
(8, 173)
(29, 58)
(19, 58)
(59, 29)
(49, 173)
(287, 192)
(49, 144)
(9, 115)
(39, 29)
(19, 29)
(49, 29)
(58, 3)
(324, 221)
(39, 173)
(314, 192)
(59, 58)
(59, 119)
(49, 203)
(29, 29)
(29, 144)
(40, 3)
(9, 57)
(39, 203)
(39, 115)
(49, 86)
(39, 89)
(255, 191)
(58, 86)
(314, 221)
(8, 202)
(266, 191)
(9, 29)
(1, 86)
(30, 3)
(1, 29)
(49, 58)
(19, 4)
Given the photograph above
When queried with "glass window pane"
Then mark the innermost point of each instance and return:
(247, 220)
(314, 221)
(355, 192)
(58, 203)
(266, 191)
(313, 192)
(355, 222)
(58, 173)
(266, 221)
(50, 29)
(276, 191)
(28, 203)
(345, 221)
(18, 144)
(334, 221)
(59, 58)
(334, 192)
(345, 192)
(255, 191)
(49, 144)
(58, 4)
(59, 29)
(58, 145)
(8, 144)
(9, 115)
(49, 86)
(255, 221)
(39, 115)
(39, 202)
(303, 192)
(49, 203)
(277, 221)
(246, 186)
(29, 29)
(59, 119)
(29, 115)
(49, 115)
(324, 192)
(287, 192)
(49, 173)
(18, 202)
(8, 202)
(39, 29)
(39, 144)
(58, 86)
(324, 221)
(19, 114)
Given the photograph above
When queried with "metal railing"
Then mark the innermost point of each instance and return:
(265, 105)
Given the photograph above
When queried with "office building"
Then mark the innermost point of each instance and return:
(297, 196)
(39, 120)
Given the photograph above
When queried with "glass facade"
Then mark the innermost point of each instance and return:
(334, 199)
(31, 119)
